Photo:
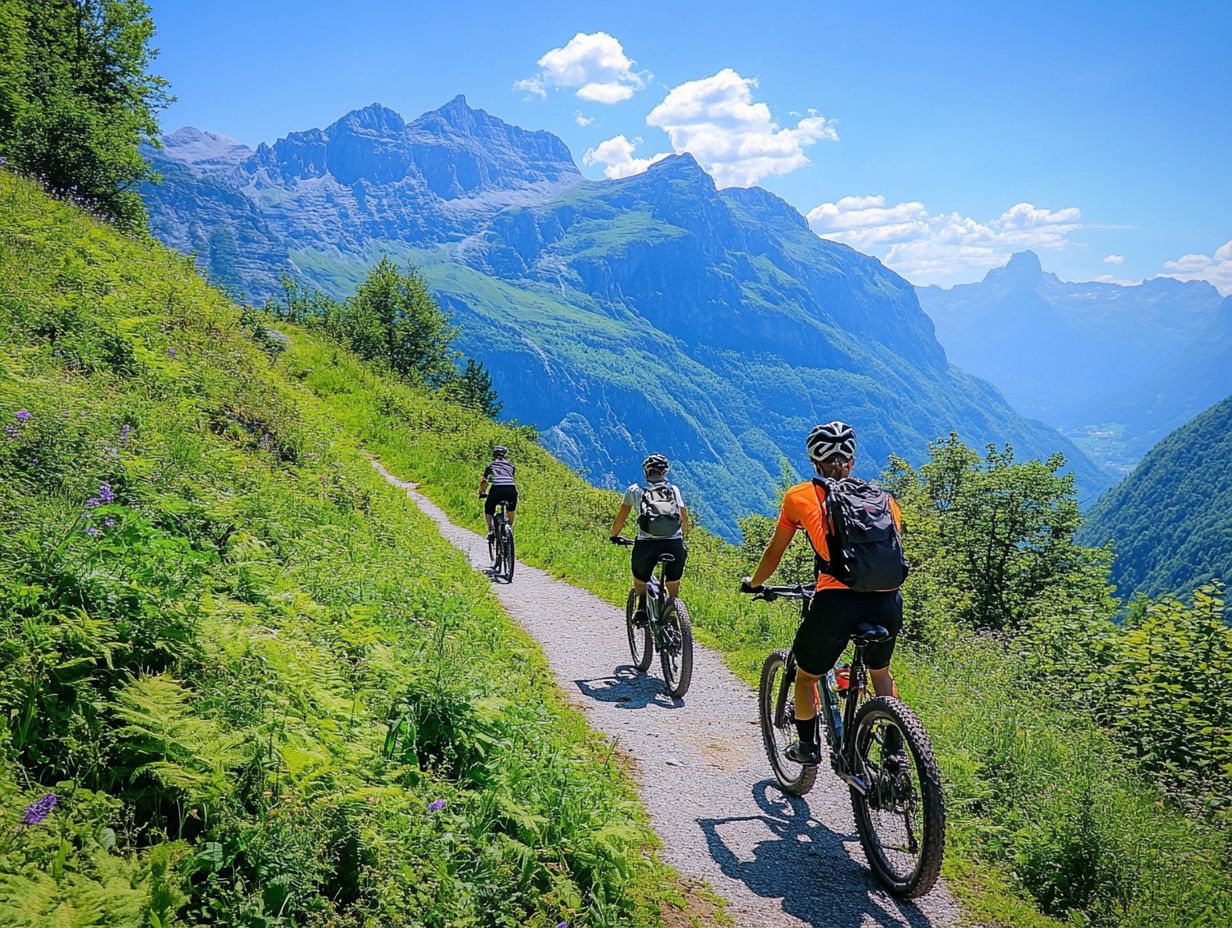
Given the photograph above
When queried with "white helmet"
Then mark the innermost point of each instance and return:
(832, 440)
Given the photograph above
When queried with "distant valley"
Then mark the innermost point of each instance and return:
(1114, 367)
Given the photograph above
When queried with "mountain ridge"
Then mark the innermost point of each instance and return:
(654, 312)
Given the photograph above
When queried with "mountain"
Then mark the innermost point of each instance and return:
(1171, 519)
(1113, 366)
(654, 312)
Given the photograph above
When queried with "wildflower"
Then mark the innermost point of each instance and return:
(105, 495)
(171, 353)
(562, 925)
(39, 809)
(10, 431)
(91, 530)
(109, 523)
(22, 416)
(436, 805)
(115, 452)
(125, 431)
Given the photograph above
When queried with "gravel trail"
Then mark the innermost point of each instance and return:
(778, 860)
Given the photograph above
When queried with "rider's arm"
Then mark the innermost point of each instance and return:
(621, 515)
(783, 534)
(685, 524)
(483, 484)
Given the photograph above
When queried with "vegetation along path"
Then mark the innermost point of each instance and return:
(778, 860)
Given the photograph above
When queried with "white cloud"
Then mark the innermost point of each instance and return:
(734, 138)
(616, 157)
(941, 247)
(1216, 268)
(593, 65)
(1114, 259)
(581, 119)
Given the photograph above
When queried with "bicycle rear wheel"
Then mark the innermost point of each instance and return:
(676, 655)
(901, 818)
(641, 645)
(776, 700)
(508, 559)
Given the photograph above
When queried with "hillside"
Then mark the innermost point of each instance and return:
(1114, 367)
(1168, 520)
(242, 683)
(653, 312)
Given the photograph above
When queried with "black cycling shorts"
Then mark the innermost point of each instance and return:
(833, 616)
(646, 552)
(501, 493)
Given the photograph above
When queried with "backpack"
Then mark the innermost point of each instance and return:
(658, 511)
(866, 550)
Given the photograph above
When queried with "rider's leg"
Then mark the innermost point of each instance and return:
(806, 706)
(513, 516)
(491, 527)
(883, 682)
(673, 588)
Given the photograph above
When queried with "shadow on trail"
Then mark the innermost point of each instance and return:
(808, 866)
(628, 688)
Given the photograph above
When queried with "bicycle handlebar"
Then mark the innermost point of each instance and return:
(770, 593)
(620, 540)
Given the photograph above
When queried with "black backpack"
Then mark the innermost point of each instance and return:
(658, 511)
(866, 549)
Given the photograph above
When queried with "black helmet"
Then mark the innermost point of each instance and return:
(499, 451)
(832, 440)
(656, 464)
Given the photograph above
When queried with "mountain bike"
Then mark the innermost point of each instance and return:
(500, 548)
(667, 628)
(896, 797)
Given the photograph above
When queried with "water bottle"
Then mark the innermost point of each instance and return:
(835, 714)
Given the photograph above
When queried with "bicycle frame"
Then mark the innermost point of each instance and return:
(842, 747)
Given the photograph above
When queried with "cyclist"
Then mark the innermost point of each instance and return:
(662, 523)
(836, 610)
(499, 486)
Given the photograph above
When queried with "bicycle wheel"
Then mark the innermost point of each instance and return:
(776, 699)
(641, 645)
(508, 560)
(676, 655)
(901, 819)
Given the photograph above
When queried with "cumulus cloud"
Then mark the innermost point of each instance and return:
(593, 65)
(1114, 259)
(615, 155)
(1216, 268)
(582, 119)
(940, 247)
(736, 139)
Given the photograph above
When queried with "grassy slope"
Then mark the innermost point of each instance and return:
(203, 669)
(1045, 812)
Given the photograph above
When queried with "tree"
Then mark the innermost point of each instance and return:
(77, 99)
(991, 541)
(394, 318)
(473, 389)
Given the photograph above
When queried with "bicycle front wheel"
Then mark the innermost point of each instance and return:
(676, 654)
(641, 645)
(901, 816)
(777, 707)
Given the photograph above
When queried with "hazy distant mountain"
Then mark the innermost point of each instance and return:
(650, 313)
(1114, 366)
(1171, 519)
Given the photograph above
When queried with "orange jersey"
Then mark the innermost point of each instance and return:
(802, 509)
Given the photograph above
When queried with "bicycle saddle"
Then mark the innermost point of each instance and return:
(866, 634)
(666, 558)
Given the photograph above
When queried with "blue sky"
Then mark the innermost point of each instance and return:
(939, 137)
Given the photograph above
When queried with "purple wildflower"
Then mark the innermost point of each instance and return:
(436, 805)
(562, 925)
(39, 809)
(91, 530)
(125, 431)
(22, 416)
(105, 495)
(171, 353)
(109, 523)
(10, 431)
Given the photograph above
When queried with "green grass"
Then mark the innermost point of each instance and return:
(1049, 821)
(245, 665)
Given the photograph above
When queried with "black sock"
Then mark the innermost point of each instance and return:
(807, 730)
(641, 602)
(893, 740)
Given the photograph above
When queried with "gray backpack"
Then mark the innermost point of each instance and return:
(658, 512)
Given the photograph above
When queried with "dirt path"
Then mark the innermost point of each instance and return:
(778, 860)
